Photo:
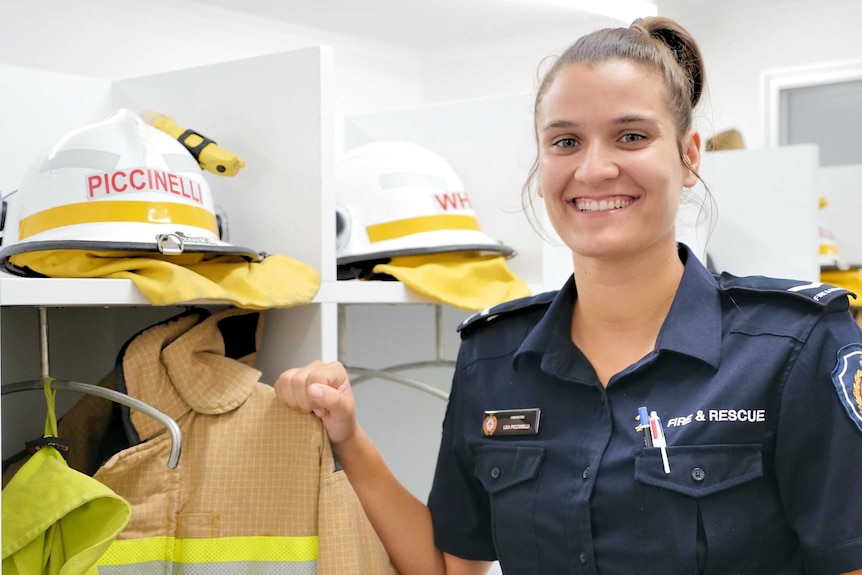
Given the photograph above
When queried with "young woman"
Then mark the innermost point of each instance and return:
(649, 417)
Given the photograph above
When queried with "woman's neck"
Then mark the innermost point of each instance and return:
(611, 291)
(621, 307)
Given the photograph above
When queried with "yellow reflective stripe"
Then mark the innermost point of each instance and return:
(214, 550)
(98, 212)
(401, 228)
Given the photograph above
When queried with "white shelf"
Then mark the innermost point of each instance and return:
(376, 292)
(356, 291)
(83, 292)
(63, 292)
(77, 292)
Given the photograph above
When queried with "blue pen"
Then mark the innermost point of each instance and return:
(643, 425)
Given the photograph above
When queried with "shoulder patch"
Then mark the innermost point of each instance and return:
(847, 377)
(491, 313)
(815, 292)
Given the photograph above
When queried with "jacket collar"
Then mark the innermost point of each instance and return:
(181, 366)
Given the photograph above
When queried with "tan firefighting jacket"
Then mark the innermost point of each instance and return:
(255, 491)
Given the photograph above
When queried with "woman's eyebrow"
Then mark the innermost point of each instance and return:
(634, 119)
(627, 119)
(555, 124)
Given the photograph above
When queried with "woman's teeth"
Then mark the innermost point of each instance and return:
(601, 205)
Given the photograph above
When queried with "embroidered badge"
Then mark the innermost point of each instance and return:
(847, 377)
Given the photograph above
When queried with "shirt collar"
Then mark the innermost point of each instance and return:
(692, 326)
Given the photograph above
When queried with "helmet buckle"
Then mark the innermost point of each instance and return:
(170, 244)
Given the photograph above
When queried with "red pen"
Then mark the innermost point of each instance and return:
(658, 440)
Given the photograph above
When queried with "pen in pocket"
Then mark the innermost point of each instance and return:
(658, 439)
(643, 425)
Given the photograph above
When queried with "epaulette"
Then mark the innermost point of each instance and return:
(509, 307)
(814, 292)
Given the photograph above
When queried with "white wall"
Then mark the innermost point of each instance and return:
(740, 40)
(116, 39)
(495, 68)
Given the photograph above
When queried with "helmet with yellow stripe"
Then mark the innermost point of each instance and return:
(398, 199)
(119, 185)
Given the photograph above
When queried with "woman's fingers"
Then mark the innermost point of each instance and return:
(322, 388)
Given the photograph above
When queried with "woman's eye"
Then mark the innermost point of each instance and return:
(632, 138)
(566, 143)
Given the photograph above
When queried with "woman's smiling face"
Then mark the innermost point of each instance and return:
(610, 171)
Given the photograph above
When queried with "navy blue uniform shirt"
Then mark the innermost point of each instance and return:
(757, 384)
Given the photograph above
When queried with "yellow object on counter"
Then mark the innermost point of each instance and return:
(458, 278)
(276, 281)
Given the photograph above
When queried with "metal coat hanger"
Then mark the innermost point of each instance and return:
(105, 393)
(390, 373)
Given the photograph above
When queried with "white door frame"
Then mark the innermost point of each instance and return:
(774, 81)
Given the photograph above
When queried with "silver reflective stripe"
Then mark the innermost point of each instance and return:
(181, 163)
(388, 181)
(91, 159)
(106, 161)
(805, 287)
(226, 568)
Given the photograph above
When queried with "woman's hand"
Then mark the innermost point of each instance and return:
(322, 388)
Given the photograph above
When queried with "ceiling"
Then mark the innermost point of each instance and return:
(420, 24)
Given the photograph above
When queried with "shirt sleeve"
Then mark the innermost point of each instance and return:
(459, 505)
(819, 446)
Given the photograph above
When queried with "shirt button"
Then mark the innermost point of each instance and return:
(583, 557)
(495, 472)
(698, 474)
(586, 473)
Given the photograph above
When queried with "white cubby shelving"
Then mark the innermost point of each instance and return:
(273, 111)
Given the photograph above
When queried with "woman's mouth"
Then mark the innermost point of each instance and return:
(603, 205)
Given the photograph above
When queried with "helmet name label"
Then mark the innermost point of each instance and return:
(143, 180)
(453, 201)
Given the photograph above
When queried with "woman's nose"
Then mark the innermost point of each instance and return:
(597, 164)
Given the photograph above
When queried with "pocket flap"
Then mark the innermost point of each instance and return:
(499, 467)
(700, 470)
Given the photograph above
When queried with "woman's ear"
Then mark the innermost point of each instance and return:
(691, 153)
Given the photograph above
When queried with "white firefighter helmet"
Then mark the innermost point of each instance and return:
(117, 185)
(397, 199)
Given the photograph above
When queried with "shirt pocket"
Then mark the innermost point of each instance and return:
(700, 470)
(509, 473)
(711, 505)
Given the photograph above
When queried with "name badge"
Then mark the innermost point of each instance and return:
(512, 422)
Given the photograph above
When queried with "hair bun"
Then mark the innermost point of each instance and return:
(684, 50)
